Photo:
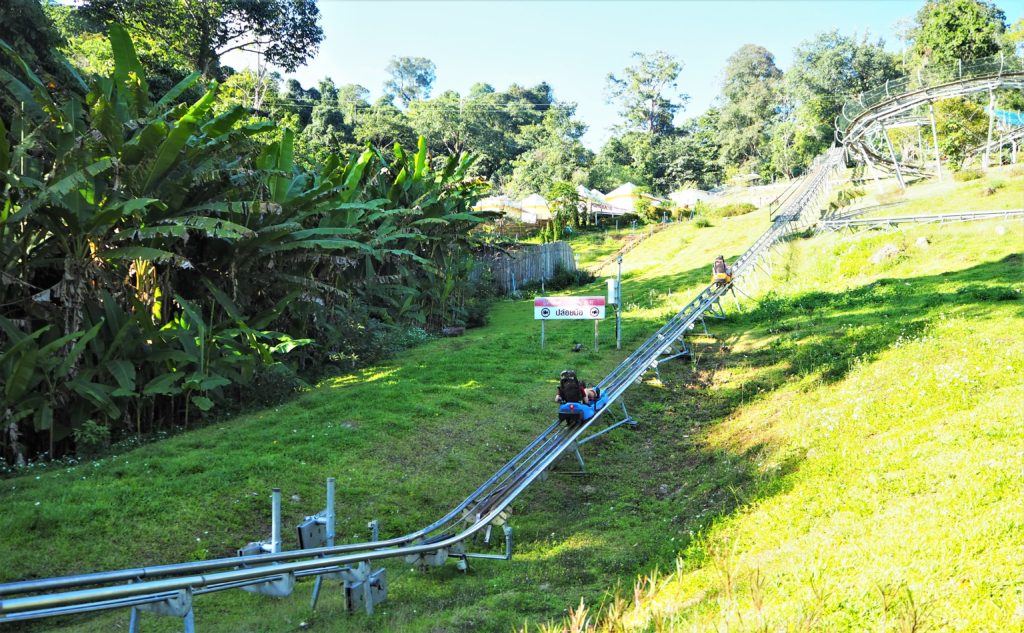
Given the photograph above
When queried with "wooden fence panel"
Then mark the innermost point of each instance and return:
(529, 263)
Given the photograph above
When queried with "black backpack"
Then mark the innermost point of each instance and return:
(570, 390)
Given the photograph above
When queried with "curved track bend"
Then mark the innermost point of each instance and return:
(862, 125)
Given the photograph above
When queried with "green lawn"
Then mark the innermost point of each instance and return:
(1000, 188)
(843, 455)
(593, 248)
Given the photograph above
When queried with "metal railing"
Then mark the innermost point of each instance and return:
(835, 224)
(928, 77)
(175, 585)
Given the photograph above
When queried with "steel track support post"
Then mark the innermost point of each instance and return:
(579, 457)
(275, 528)
(920, 146)
(179, 605)
(318, 584)
(870, 166)
(935, 143)
(892, 154)
(991, 122)
(735, 298)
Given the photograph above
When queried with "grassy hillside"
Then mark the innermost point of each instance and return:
(1000, 188)
(881, 417)
(843, 457)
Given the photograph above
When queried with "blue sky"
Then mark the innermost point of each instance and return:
(574, 45)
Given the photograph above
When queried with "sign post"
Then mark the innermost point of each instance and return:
(563, 308)
(618, 304)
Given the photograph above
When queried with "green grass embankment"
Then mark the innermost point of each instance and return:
(999, 188)
(407, 440)
(879, 418)
(840, 458)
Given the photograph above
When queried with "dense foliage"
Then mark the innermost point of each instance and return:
(155, 255)
(164, 238)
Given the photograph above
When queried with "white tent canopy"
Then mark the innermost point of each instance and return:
(622, 197)
(688, 197)
(537, 205)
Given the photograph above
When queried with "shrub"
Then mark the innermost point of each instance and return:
(702, 222)
(966, 175)
(730, 210)
(91, 439)
(893, 194)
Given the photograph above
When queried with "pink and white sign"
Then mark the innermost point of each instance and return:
(550, 308)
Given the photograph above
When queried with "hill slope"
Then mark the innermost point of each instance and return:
(809, 462)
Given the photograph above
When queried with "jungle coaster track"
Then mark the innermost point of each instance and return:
(170, 589)
(862, 127)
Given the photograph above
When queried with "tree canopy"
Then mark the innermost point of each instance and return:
(410, 79)
(648, 92)
(751, 95)
(286, 33)
(951, 30)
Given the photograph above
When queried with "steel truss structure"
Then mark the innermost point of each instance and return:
(862, 127)
(263, 568)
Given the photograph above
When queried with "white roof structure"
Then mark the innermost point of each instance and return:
(592, 195)
(627, 190)
(688, 197)
(500, 204)
(622, 197)
(537, 205)
(625, 196)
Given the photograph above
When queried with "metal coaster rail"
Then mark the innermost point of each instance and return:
(852, 222)
(897, 102)
(173, 586)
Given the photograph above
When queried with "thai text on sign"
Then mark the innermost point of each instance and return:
(550, 308)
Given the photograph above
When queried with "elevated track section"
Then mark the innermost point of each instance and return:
(170, 589)
(864, 123)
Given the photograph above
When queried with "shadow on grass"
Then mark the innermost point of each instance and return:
(669, 482)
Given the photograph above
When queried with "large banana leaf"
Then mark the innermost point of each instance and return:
(171, 147)
(128, 72)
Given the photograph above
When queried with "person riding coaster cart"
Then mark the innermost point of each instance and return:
(577, 402)
(721, 274)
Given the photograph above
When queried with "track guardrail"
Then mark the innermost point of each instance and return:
(835, 224)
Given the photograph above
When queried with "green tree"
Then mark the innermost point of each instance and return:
(383, 125)
(146, 249)
(444, 121)
(961, 124)
(329, 132)
(828, 70)
(951, 30)
(552, 152)
(27, 29)
(751, 95)
(564, 202)
(648, 92)
(410, 79)
(613, 166)
(286, 33)
(690, 156)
